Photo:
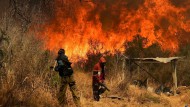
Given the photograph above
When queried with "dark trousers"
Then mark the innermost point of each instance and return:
(97, 91)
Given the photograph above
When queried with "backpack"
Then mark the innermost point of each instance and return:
(64, 68)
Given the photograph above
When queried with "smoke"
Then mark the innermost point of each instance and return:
(180, 3)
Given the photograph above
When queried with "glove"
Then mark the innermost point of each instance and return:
(51, 67)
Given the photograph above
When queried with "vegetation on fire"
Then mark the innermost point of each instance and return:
(26, 80)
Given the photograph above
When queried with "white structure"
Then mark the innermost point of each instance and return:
(172, 60)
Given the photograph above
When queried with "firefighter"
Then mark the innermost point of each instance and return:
(98, 79)
(66, 73)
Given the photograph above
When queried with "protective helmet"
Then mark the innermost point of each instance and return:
(102, 60)
(61, 51)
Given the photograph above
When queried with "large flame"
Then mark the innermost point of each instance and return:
(105, 25)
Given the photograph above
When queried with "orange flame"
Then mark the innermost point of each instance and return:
(104, 26)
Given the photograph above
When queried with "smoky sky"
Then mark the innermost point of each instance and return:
(180, 3)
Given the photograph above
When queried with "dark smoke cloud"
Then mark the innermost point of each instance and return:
(109, 11)
(134, 4)
(187, 14)
(164, 23)
(180, 3)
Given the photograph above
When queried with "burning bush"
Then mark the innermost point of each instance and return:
(87, 30)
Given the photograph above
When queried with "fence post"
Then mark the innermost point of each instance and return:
(174, 75)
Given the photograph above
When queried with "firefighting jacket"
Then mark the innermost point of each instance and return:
(98, 71)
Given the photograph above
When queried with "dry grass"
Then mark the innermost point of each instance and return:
(42, 95)
(135, 96)
(25, 79)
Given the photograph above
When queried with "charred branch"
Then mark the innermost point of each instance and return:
(17, 11)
